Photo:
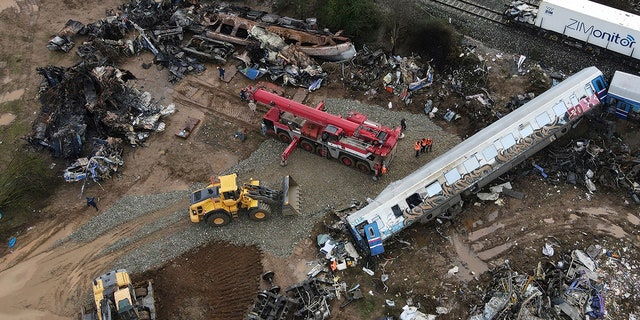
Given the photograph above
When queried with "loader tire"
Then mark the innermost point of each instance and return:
(144, 315)
(218, 219)
(260, 213)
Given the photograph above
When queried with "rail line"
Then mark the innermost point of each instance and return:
(208, 98)
(474, 9)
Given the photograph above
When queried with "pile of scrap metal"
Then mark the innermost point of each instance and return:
(401, 76)
(557, 291)
(307, 300)
(209, 50)
(112, 38)
(104, 161)
(520, 11)
(279, 46)
(239, 25)
(80, 103)
(63, 40)
(583, 162)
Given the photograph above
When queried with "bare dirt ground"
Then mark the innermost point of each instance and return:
(41, 280)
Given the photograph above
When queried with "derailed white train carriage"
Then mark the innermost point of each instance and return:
(436, 189)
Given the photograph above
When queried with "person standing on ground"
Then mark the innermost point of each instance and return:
(429, 144)
(91, 202)
(423, 145)
(403, 124)
(416, 147)
(221, 71)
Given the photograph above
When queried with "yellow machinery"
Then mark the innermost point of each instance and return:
(223, 200)
(116, 297)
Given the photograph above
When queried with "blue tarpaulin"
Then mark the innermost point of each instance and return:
(251, 73)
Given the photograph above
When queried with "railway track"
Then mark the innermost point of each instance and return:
(474, 9)
(208, 98)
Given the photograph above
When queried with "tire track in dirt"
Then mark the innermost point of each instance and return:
(502, 233)
(227, 278)
(46, 260)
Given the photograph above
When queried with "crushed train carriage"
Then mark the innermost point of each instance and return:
(435, 190)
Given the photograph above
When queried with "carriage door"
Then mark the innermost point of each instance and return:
(373, 237)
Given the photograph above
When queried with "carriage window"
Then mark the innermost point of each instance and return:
(471, 164)
(508, 141)
(526, 130)
(396, 211)
(574, 100)
(560, 109)
(434, 189)
(543, 119)
(414, 200)
(490, 152)
(452, 176)
(588, 89)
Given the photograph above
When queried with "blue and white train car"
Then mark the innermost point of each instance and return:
(436, 189)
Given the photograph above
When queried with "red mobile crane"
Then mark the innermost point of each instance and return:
(354, 140)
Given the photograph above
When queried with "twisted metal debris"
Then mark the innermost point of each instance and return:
(83, 103)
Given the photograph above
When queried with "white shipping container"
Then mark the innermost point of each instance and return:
(597, 24)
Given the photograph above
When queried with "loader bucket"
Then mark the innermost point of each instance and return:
(290, 197)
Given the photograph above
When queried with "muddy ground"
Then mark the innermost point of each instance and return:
(42, 280)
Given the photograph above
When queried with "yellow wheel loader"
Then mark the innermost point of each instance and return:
(223, 200)
(116, 298)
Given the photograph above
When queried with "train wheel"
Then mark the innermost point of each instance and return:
(261, 212)
(346, 160)
(362, 166)
(218, 219)
(284, 137)
(307, 146)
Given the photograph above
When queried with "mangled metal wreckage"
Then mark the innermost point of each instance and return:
(97, 104)
(180, 37)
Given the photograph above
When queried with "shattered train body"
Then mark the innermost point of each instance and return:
(81, 104)
(236, 29)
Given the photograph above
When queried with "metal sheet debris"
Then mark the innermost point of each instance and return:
(98, 104)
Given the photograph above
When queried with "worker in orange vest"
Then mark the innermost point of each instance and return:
(429, 144)
(417, 147)
(423, 145)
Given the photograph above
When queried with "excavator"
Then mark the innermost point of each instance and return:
(223, 200)
(117, 298)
